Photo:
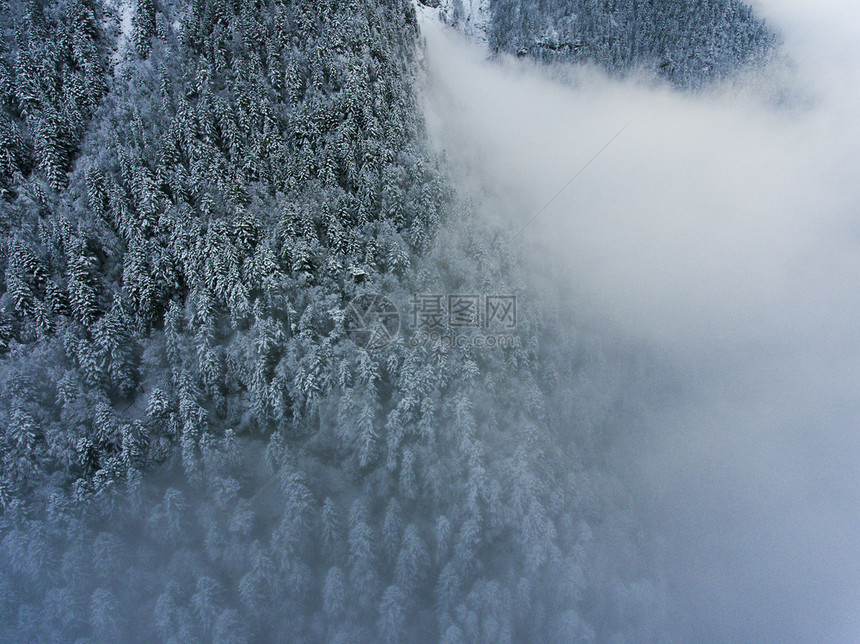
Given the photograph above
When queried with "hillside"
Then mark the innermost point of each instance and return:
(196, 443)
(690, 44)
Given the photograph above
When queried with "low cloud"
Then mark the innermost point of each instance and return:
(720, 230)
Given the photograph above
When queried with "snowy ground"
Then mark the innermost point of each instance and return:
(472, 17)
(123, 10)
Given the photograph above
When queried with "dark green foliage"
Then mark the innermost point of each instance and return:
(53, 73)
(688, 42)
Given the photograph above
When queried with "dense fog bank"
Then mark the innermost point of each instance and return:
(719, 231)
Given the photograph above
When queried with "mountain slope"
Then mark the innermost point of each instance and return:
(686, 43)
(195, 446)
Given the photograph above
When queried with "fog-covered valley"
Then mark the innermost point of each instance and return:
(717, 234)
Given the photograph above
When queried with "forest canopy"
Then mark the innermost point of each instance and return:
(193, 447)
